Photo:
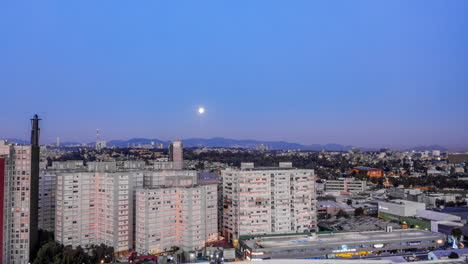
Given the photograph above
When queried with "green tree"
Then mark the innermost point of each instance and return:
(450, 204)
(453, 255)
(102, 252)
(359, 211)
(342, 213)
(50, 252)
(457, 232)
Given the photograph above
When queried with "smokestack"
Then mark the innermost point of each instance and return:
(34, 190)
(35, 131)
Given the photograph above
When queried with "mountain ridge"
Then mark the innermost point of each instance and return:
(243, 143)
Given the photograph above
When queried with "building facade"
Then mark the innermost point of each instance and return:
(132, 206)
(95, 207)
(16, 244)
(47, 188)
(268, 201)
(183, 216)
(176, 154)
(345, 185)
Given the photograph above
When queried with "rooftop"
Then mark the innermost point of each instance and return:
(436, 216)
(338, 239)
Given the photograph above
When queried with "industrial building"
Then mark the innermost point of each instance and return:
(340, 245)
(268, 200)
(401, 208)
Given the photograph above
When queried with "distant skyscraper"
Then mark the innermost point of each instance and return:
(101, 144)
(58, 141)
(176, 154)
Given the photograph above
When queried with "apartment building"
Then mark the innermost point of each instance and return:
(176, 154)
(109, 203)
(17, 232)
(183, 216)
(94, 205)
(46, 210)
(268, 200)
(345, 185)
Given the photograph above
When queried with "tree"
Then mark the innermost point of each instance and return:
(450, 204)
(359, 211)
(50, 252)
(453, 255)
(102, 252)
(75, 256)
(457, 233)
(342, 213)
(349, 202)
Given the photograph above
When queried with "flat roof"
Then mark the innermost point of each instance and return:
(338, 239)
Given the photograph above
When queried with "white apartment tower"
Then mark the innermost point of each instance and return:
(176, 154)
(183, 216)
(266, 200)
(133, 206)
(16, 203)
(95, 205)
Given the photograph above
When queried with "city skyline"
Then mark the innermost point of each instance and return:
(227, 131)
(364, 74)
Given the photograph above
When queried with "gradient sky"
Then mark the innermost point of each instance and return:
(366, 73)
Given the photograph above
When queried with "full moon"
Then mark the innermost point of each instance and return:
(201, 110)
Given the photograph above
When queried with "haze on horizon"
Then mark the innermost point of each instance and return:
(364, 73)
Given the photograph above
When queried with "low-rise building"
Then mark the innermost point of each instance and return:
(340, 245)
(345, 185)
(400, 207)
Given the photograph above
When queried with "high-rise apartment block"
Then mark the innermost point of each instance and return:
(153, 206)
(19, 182)
(268, 200)
(47, 194)
(95, 205)
(16, 206)
(183, 216)
(176, 154)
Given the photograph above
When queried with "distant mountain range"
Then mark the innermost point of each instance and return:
(239, 143)
(230, 143)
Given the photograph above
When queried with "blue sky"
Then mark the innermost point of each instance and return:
(366, 73)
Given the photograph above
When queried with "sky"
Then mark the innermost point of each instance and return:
(365, 73)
